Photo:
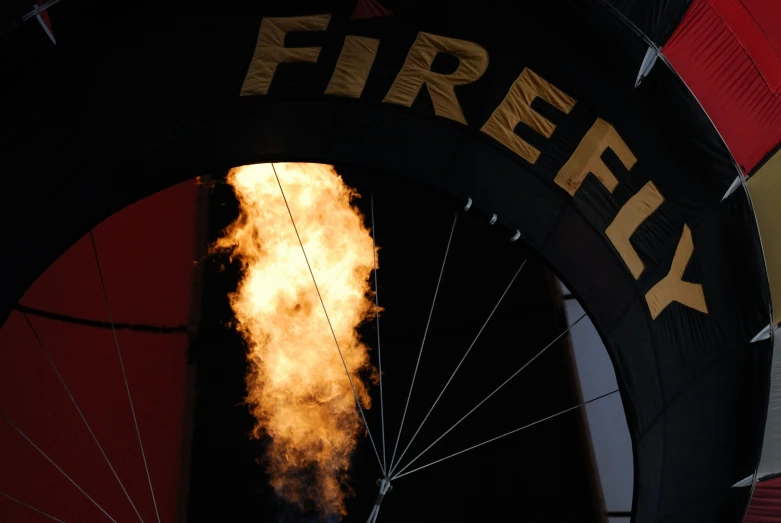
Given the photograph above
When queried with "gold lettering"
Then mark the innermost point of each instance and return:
(270, 50)
(516, 108)
(672, 287)
(352, 68)
(629, 217)
(587, 158)
(473, 61)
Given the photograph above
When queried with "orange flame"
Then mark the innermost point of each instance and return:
(297, 387)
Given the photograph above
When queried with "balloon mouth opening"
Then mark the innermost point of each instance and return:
(292, 254)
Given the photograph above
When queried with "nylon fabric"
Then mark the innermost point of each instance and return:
(722, 54)
(770, 464)
(766, 503)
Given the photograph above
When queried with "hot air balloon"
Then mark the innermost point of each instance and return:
(482, 153)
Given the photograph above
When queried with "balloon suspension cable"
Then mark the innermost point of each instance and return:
(35, 12)
(22, 503)
(124, 374)
(519, 429)
(385, 487)
(497, 389)
(423, 343)
(50, 460)
(453, 375)
(81, 414)
(328, 319)
(377, 318)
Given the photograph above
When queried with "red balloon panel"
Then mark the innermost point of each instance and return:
(146, 254)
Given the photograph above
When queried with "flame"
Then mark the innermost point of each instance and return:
(297, 387)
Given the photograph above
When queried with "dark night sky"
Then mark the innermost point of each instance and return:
(539, 474)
